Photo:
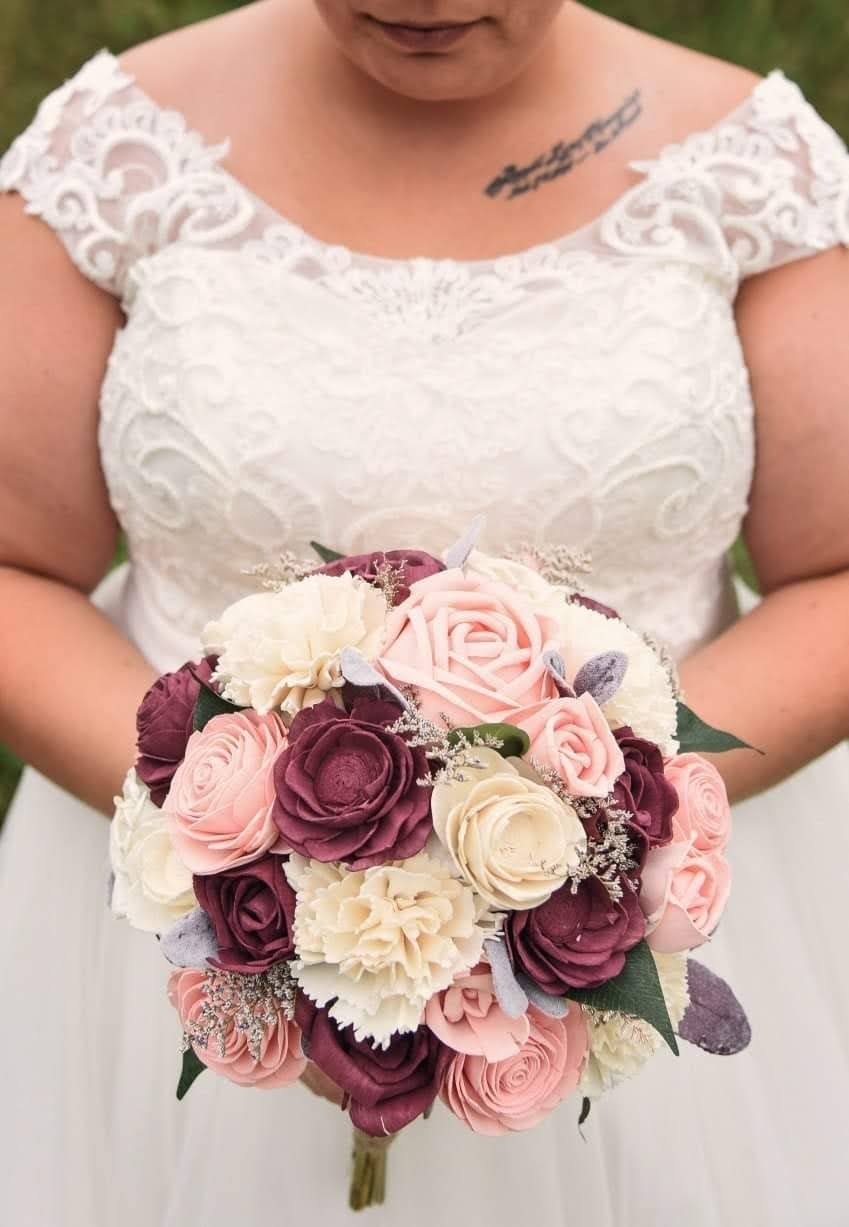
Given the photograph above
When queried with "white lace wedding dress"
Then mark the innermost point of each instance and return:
(269, 388)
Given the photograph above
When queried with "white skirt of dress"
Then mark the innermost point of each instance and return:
(92, 1135)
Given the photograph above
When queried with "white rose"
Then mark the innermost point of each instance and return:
(517, 576)
(382, 941)
(509, 836)
(153, 888)
(645, 700)
(619, 1045)
(282, 649)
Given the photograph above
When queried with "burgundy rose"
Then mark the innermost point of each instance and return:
(575, 941)
(388, 1087)
(252, 909)
(410, 565)
(347, 788)
(164, 724)
(645, 791)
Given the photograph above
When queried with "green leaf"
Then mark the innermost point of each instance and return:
(695, 736)
(514, 742)
(586, 1107)
(193, 1067)
(208, 705)
(325, 554)
(635, 991)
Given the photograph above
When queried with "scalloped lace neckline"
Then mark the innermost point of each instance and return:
(353, 256)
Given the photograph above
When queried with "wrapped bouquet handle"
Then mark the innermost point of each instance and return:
(368, 1170)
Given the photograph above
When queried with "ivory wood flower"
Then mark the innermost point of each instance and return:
(510, 837)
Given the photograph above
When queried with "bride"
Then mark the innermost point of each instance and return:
(335, 270)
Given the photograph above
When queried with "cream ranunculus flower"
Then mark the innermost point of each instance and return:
(620, 1045)
(645, 700)
(282, 649)
(382, 941)
(509, 836)
(153, 888)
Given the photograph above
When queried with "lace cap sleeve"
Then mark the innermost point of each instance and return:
(772, 179)
(113, 174)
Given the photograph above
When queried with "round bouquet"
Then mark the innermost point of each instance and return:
(439, 827)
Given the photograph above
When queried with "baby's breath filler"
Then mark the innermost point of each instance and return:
(251, 1004)
(453, 750)
(609, 854)
(287, 569)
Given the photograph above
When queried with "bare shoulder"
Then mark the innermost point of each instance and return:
(199, 68)
(683, 90)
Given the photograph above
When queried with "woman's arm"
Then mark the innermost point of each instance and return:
(70, 681)
(779, 677)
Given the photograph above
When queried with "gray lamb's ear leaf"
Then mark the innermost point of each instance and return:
(554, 1007)
(508, 991)
(191, 941)
(458, 554)
(714, 1020)
(361, 672)
(602, 676)
(556, 666)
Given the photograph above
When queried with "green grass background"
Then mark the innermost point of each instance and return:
(42, 42)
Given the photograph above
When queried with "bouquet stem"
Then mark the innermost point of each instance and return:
(368, 1172)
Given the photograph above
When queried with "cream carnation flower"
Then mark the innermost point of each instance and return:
(620, 1045)
(282, 649)
(383, 940)
(509, 836)
(517, 576)
(645, 700)
(153, 888)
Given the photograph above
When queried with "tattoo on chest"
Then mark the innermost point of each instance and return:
(566, 155)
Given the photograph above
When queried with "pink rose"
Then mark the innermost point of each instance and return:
(468, 1018)
(573, 737)
(472, 648)
(281, 1060)
(683, 895)
(704, 815)
(220, 801)
(516, 1093)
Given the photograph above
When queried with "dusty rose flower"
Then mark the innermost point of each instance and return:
(573, 738)
(388, 1087)
(164, 724)
(467, 1018)
(704, 814)
(252, 909)
(281, 1060)
(220, 802)
(683, 895)
(575, 941)
(472, 648)
(347, 788)
(497, 1097)
(644, 790)
(410, 566)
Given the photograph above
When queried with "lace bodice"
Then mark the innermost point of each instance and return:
(269, 389)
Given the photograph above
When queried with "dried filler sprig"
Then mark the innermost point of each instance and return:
(251, 1004)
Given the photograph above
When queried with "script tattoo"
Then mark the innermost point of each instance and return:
(566, 155)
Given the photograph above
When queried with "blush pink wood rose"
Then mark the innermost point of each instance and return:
(432, 830)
